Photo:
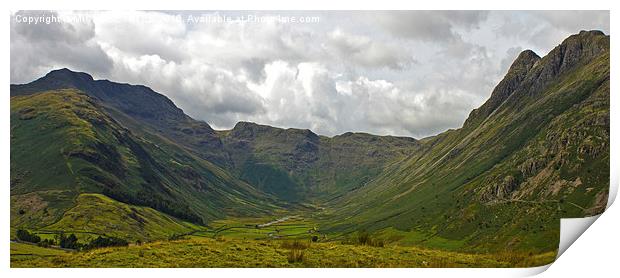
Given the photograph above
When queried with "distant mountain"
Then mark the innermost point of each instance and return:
(535, 151)
(299, 165)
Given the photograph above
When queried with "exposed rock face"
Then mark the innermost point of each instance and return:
(576, 50)
(500, 190)
(517, 72)
(531, 167)
(528, 78)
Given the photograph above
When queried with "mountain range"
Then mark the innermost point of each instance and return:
(84, 151)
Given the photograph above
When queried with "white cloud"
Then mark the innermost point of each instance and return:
(366, 52)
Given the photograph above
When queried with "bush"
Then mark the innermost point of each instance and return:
(24, 235)
(364, 238)
(295, 256)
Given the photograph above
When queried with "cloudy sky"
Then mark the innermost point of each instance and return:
(411, 73)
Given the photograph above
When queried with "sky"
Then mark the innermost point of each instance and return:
(404, 73)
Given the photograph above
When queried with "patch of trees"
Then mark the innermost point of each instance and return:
(69, 242)
(27, 236)
(106, 242)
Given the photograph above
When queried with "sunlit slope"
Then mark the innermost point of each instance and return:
(98, 214)
(537, 151)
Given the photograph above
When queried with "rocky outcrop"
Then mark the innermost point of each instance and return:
(516, 74)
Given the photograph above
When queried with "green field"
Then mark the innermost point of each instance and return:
(286, 241)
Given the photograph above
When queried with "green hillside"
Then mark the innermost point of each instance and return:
(98, 214)
(64, 144)
(531, 155)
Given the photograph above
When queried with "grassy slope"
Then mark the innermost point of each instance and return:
(204, 252)
(98, 214)
(23, 254)
(451, 193)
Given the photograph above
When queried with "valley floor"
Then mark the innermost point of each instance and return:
(226, 252)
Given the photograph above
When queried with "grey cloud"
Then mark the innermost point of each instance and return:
(364, 51)
(546, 29)
(430, 25)
(254, 68)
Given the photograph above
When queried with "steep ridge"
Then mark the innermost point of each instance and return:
(537, 151)
(516, 74)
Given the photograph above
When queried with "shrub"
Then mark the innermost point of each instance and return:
(24, 235)
(295, 256)
(364, 238)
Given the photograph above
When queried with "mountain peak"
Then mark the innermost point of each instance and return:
(591, 33)
(525, 61)
(67, 74)
(593, 40)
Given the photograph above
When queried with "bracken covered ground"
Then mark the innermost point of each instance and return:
(206, 252)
